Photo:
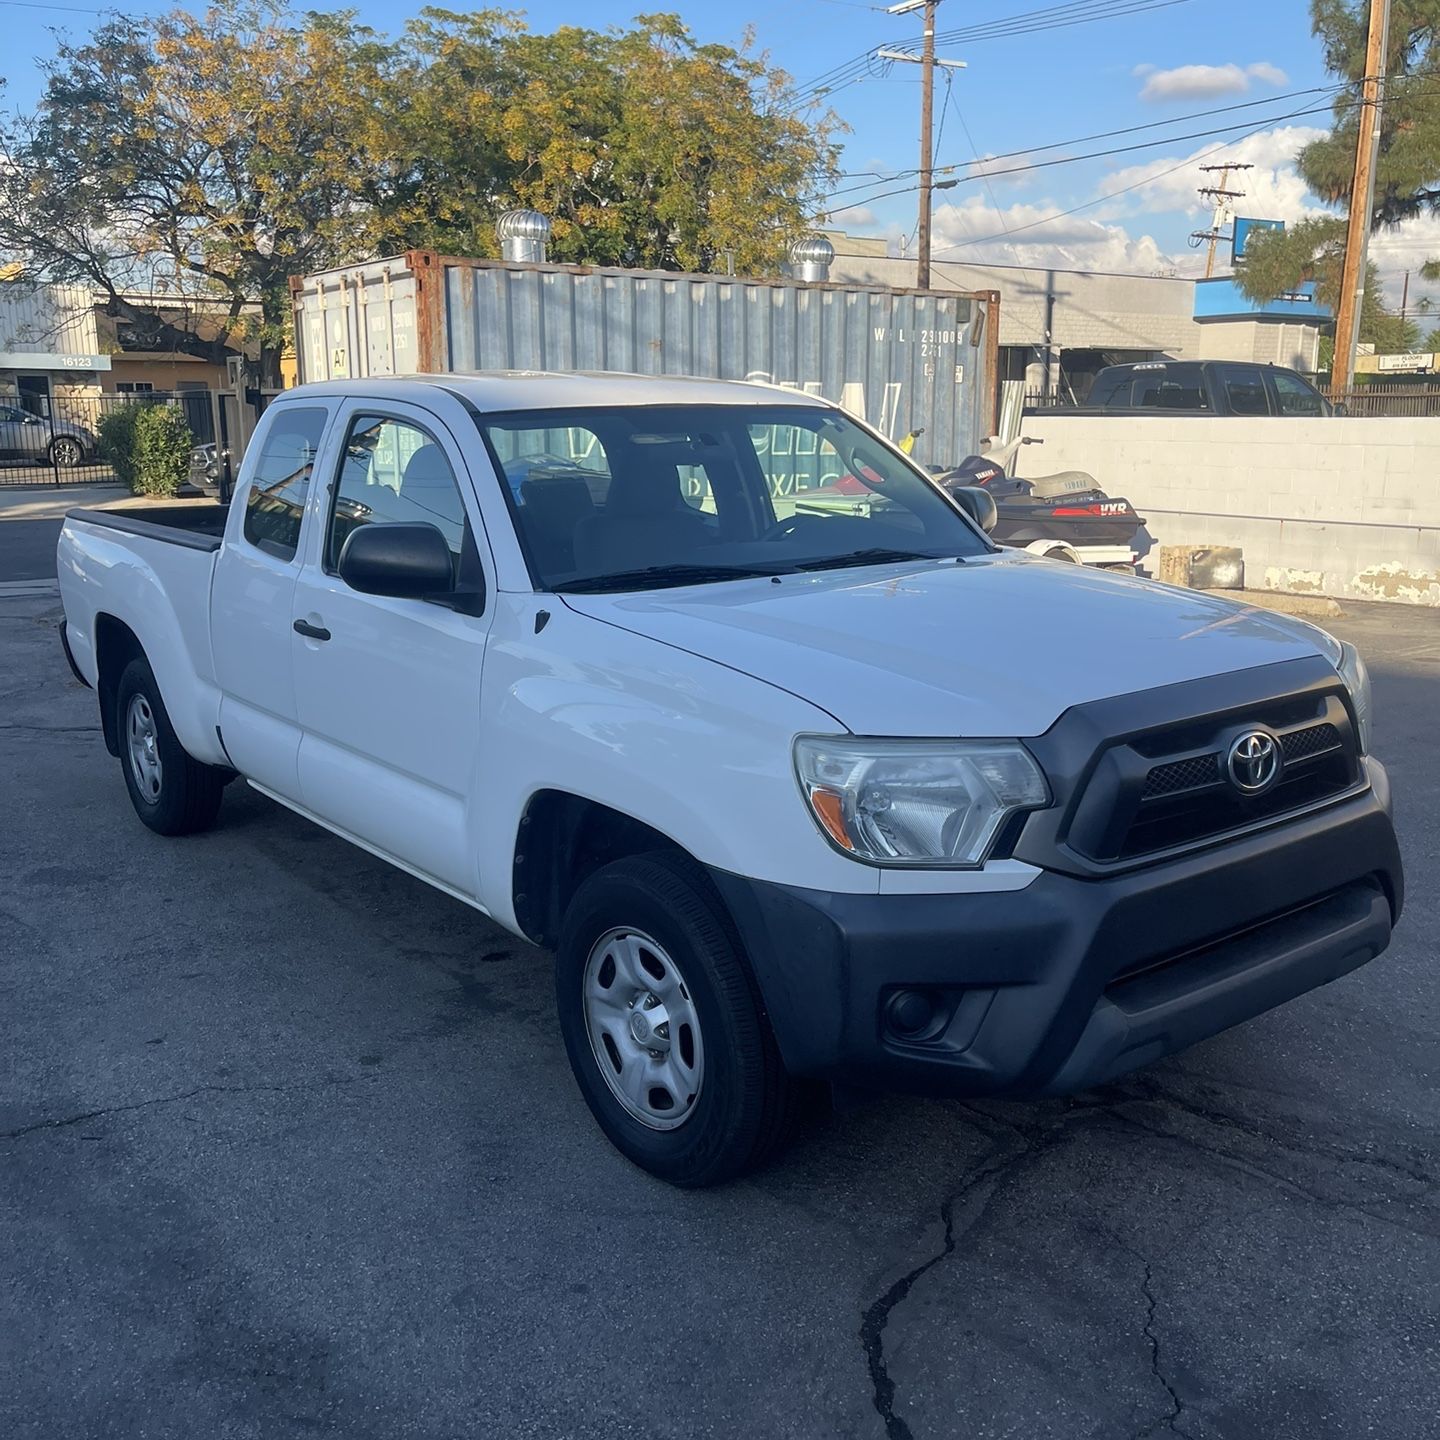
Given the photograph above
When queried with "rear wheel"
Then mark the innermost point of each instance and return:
(663, 1025)
(66, 452)
(172, 793)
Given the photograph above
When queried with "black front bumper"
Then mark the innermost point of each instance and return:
(1072, 980)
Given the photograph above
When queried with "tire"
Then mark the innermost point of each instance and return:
(172, 793)
(663, 909)
(66, 452)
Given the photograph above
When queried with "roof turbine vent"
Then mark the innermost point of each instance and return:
(810, 258)
(523, 235)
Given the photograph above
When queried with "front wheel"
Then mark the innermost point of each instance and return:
(66, 452)
(663, 1024)
(173, 793)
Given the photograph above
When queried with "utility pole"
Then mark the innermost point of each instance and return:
(927, 62)
(1362, 199)
(927, 155)
(1222, 196)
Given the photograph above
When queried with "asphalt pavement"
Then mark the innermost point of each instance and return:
(288, 1146)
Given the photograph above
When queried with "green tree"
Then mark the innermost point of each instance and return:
(643, 146)
(1407, 177)
(219, 153)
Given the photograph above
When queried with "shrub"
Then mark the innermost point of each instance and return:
(117, 441)
(162, 450)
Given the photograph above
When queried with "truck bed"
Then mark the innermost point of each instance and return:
(148, 572)
(199, 527)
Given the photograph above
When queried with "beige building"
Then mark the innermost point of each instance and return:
(1072, 323)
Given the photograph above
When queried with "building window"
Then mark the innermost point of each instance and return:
(134, 387)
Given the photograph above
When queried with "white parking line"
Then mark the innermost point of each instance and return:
(25, 589)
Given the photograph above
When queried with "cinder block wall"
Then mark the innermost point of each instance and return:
(1342, 507)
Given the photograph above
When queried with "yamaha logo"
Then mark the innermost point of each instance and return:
(1254, 762)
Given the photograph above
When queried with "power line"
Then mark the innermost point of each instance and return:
(1055, 17)
(1125, 189)
(990, 173)
(1100, 199)
(71, 9)
(1000, 215)
(981, 160)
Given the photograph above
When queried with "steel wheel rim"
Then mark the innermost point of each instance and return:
(643, 1028)
(67, 453)
(143, 743)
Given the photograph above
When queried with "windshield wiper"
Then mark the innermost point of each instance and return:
(654, 577)
(870, 557)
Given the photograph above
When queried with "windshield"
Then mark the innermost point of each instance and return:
(643, 496)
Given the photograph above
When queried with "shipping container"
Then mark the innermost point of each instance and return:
(898, 359)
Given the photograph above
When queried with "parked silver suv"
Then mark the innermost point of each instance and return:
(32, 438)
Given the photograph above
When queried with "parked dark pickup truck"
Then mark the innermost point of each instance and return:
(1200, 387)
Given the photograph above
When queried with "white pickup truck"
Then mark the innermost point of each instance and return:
(794, 792)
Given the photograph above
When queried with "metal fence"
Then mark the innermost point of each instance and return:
(55, 440)
(1395, 400)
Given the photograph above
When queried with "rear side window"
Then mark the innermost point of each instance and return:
(275, 505)
(1177, 387)
(1245, 389)
(1112, 391)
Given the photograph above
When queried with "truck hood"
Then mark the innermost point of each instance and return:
(1000, 645)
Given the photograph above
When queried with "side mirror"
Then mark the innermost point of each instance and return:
(408, 561)
(978, 504)
(1339, 408)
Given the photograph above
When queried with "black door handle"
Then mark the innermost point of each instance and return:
(311, 632)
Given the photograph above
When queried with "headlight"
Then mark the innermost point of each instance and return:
(916, 802)
(1357, 682)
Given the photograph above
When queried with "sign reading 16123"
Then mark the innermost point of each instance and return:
(45, 360)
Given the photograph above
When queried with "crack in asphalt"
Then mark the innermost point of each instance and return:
(1285, 1183)
(1015, 1145)
(1170, 1422)
(997, 1166)
(68, 1120)
(1143, 1090)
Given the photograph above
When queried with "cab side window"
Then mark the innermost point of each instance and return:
(392, 472)
(275, 504)
(1245, 389)
(1295, 396)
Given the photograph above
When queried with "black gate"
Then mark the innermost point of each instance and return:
(56, 440)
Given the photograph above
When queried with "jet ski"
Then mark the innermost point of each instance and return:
(1066, 515)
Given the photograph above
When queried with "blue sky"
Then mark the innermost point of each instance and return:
(1018, 91)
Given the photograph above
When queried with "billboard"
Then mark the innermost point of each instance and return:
(1244, 229)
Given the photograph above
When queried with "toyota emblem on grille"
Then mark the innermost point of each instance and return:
(1254, 762)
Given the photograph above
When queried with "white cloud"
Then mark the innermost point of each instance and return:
(1267, 74)
(1205, 82)
(1408, 247)
(1043, 236)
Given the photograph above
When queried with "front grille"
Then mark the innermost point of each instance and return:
(1191, 774)
(1313, 740)
(1170, 788)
